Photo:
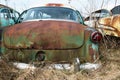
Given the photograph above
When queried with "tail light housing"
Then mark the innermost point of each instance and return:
(96, 37)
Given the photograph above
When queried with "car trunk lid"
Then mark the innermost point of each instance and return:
(44, 35)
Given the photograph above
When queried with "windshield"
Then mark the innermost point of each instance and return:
(98, 14)
(101, 13)
(116, 10)
(51, 13)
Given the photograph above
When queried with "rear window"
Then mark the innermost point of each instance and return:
(51, 13)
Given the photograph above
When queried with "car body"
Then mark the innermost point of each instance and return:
(53, 32)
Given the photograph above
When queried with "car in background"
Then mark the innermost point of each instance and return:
(94, 17)
(8, 16)
(111, 23)
(107, 22)
(53, 33)
(108, 25)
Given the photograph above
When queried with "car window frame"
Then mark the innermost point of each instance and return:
(80, 18)
(22, 14)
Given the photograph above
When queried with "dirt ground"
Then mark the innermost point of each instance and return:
(110, 70)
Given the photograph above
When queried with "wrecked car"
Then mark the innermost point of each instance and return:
(111, 23)
(53, 32)
(107, 22)
(8, 16)
(95, 16)
(108, 25)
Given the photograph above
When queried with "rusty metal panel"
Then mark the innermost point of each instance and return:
(111, 25)
(53, 4)
(60, 41)
(45, 35)
(86, 53)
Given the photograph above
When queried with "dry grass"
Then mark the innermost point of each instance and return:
(110, 70)
(7, 71)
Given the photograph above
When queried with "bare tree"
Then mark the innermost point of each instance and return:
(115, 2)
(6, 2)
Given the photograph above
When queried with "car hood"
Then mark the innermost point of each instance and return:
(44, 35)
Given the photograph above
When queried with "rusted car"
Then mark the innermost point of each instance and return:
(8, 16)
(53, 32)
(107, 24)
(111, 23)
(106, 21)
(94, 17)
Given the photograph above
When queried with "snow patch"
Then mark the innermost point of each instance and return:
(24, 66)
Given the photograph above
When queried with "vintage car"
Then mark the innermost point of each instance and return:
(53, 33)
(111, 23)
(93, 18)
(106, 21)
(8, 16)
(107, 24)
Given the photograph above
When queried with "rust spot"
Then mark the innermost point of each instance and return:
(93, 53)
(54, 4)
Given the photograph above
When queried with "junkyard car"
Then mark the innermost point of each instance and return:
(111, 23)
(108, 23)
(8, 16)
(53, 32)
(94, 17)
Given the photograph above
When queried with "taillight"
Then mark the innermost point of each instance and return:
(96, 37)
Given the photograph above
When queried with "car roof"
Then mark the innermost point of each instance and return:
(1, 5)
(4, 6)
